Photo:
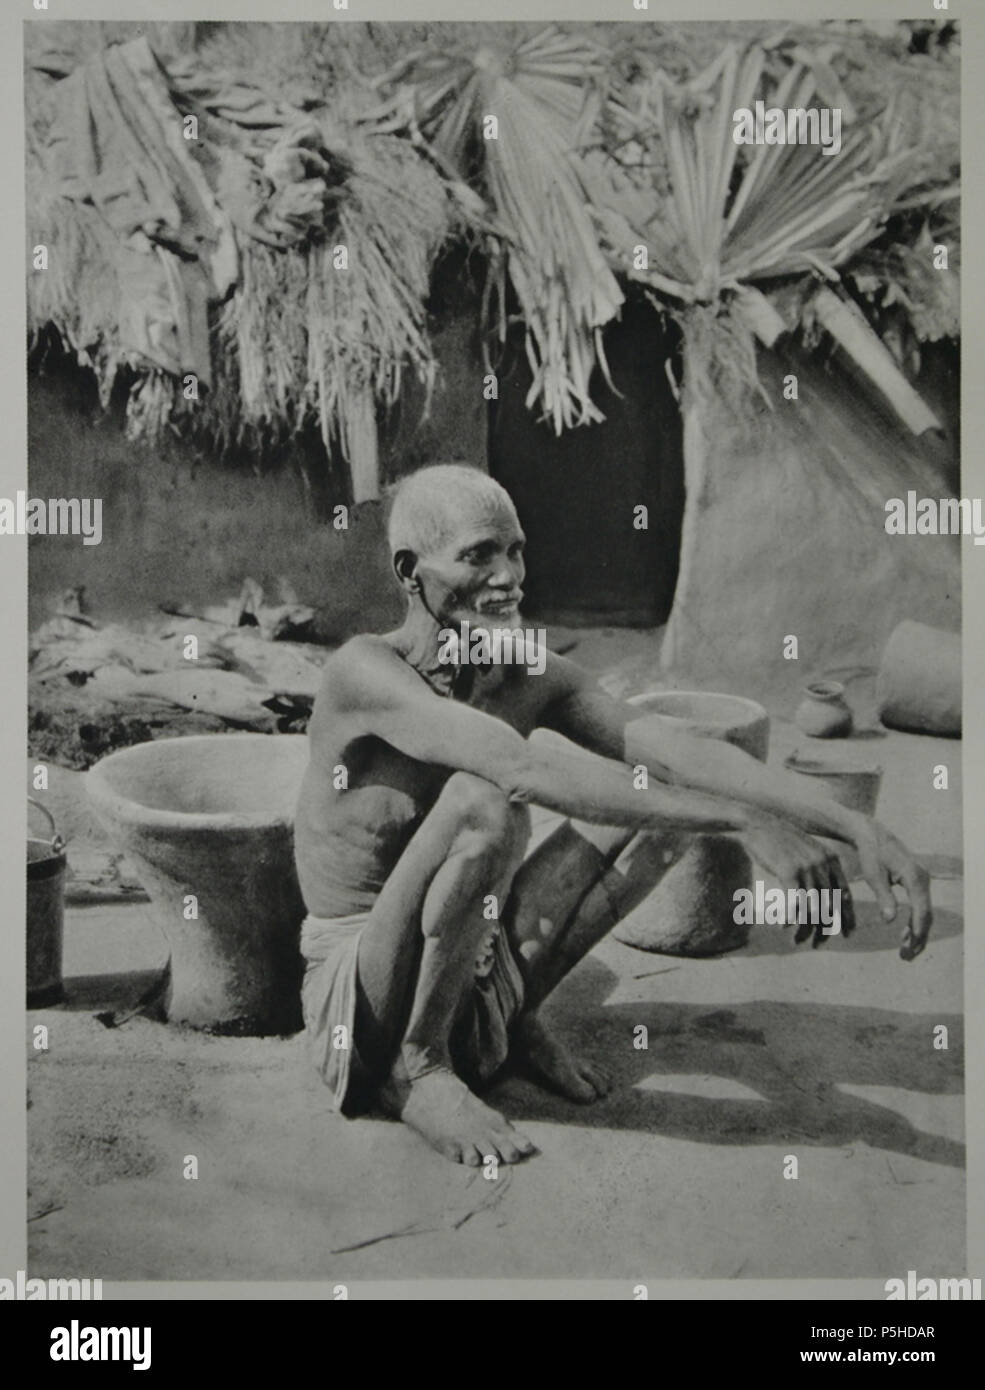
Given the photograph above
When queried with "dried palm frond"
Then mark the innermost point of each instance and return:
(300, 338)
(366, 324)
(721, 226)
(790, 208)
(312, 335)
(78, 293)
(541, 193)
(904, 276)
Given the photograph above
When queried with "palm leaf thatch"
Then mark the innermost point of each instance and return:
(78, 293)
(547, 244)
(596, 154)
(302, 339)
(722, 226)
(306, 335)
(900, 280)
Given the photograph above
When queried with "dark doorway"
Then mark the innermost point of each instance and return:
(576, 494)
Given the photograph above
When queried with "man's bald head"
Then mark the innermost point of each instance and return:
(429, 506)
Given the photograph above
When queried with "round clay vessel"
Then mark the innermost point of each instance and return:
(732, 718)
(919, 683)
(690, 911)
(853, 785)
(824, 711)
(212, 816)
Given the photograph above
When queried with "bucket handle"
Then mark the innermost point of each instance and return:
(57, 843)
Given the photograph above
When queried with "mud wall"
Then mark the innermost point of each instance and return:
(181, 527)
(789, 538)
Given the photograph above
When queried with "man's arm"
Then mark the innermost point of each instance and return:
(375, 693)
(584, 713)
(589, 717)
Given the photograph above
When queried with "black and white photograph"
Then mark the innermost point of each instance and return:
(494, 526)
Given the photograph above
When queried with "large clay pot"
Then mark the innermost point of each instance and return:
(207, 822)
(919, 684)
(690, 912)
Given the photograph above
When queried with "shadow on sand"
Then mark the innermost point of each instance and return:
(795, 1057)
(872, 933)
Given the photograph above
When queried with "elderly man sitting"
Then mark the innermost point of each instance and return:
(430, 943)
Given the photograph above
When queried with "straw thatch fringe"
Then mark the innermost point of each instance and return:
(587, 167)
(307, 334)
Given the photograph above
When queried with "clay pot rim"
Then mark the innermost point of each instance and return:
(105, 797)
(753, 707)
(816, 767)
(825, 690)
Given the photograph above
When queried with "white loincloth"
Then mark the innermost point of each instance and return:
(330, 946)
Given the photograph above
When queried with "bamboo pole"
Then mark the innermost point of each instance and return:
(697, 409)
(363, 448)
(847, 325)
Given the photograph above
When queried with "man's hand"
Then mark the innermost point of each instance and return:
(800, 861)
(885, 861)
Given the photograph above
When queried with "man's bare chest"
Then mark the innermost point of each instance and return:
(514, 697)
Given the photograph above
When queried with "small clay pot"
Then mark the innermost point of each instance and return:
(856, 786)
(851, 785)
(824, 711)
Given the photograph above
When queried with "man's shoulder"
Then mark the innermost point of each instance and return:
(363, 647)
(356, 666)
(566, 676)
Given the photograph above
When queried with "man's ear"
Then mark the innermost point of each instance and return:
(405, 568)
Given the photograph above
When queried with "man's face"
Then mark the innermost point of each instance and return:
(477, 574)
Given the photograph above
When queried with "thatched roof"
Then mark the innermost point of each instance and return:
(284, 182)
(316, 137)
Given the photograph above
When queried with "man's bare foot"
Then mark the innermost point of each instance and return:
(549, 1061)
(543, 1054)
(442, 1109)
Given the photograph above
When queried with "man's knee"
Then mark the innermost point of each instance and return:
(484, 811)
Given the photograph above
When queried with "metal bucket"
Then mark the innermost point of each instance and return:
(46, 861)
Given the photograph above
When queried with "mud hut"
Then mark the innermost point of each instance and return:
(324, 256)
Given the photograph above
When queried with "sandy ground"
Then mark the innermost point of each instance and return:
(826, 1055)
